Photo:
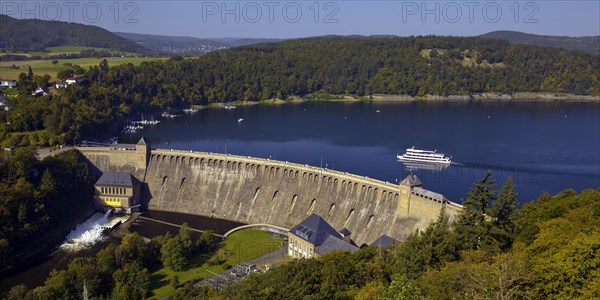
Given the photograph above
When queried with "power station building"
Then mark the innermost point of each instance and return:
(118, 190)
(314, 237)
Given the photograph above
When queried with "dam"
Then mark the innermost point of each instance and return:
(257, 190)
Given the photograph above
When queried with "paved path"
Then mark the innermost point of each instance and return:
(270, 259)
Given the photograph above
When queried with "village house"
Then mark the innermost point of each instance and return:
(61, 84)
(39, 92)
(7, 84)
(73, 80)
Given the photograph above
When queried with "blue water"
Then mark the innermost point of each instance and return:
(543, 146)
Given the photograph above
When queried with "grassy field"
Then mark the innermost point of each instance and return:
(65, 50)
(41, 67)
(240, 247)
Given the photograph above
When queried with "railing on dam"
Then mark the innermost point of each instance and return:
(265, 227)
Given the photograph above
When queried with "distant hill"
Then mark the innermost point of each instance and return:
(174, 44)
(236, 42)
(189, 45)
(36, 35)
(585, 43)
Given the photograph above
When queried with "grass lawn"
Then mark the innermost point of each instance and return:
(242, 246)
(45, 66)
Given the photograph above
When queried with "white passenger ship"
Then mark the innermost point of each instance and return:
(424, 156)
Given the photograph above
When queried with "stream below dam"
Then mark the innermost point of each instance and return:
(87, 239)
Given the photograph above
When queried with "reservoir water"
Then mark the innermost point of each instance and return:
(543, 146)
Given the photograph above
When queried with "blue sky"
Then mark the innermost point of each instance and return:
(290, 19)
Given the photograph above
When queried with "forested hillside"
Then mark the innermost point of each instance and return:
(357, 66)
(360, 66)
(38, 201)
(36, 35)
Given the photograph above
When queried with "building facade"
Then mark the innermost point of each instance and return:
(119, 191)
(314, 237)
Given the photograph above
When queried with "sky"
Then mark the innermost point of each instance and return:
(303, 18)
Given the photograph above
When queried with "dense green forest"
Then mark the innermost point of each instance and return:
(38, 201)
(36, 35)
(357, 66)
(415, 66)
(548, 249)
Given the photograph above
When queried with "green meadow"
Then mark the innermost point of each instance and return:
(239, 247)
(12, 69)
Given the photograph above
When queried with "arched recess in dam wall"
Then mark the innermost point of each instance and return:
(253, 190)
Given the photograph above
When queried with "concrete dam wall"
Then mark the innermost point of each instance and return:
(254, 190)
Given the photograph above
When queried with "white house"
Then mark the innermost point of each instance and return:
(8, 84)
(73, 80)
(61, 84)
(39, 92)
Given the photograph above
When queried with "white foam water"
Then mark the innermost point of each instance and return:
(90, 232)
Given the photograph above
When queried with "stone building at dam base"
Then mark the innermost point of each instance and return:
(262, 191)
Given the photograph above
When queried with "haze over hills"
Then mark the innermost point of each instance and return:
(36, 35)
(236, 42)
(174, 44)
(584, 43)
(188, 45)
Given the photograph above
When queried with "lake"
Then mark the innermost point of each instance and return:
(543, 146)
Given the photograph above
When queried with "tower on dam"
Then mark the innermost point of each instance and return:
(132, 156)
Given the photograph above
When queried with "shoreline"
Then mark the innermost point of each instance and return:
(516, 97)
(486, 97)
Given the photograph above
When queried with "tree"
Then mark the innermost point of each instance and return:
(132, 249)
(503, 207)
(104, 66)
(401, 288)
(176, 251)
(173, 255)
(505, 203)
(17, 292)
(131, 282)
(472, 229)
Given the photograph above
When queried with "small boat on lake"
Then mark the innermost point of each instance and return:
(168, 115)
(190, 110)
(424, 156)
